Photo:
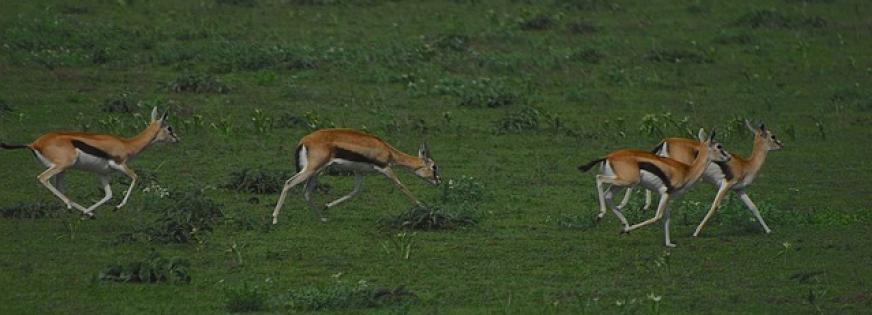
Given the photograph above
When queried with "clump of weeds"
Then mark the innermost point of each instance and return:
(152, 269)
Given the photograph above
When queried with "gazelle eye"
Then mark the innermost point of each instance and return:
(434, 167)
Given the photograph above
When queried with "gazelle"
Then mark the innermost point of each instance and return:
(735, 175)
(96, 153)
(668, 177)
(358, 152)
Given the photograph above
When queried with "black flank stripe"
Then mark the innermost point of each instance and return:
(91, 150)
(650, 167)
(725, 168)
(357, 157)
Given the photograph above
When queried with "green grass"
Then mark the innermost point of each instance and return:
(510, 96)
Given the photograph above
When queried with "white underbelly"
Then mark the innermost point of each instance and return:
(651, 182)
(713, 174)
(91, 163)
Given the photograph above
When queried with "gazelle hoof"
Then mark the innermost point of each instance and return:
(323, 220)
(625, 231)
(275, 221)
(672, 245)
(89, 216)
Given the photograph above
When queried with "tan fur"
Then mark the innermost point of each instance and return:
(57, 150)
(321, 149)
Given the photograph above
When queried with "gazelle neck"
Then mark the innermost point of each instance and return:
(697, 168)
(758, 156)
(137, 143)
(405, 160)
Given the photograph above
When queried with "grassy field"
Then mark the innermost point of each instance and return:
(510, 95)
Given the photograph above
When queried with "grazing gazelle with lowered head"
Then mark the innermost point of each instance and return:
(96, 153)
(735, 175)
(357, 152)
(668, 177)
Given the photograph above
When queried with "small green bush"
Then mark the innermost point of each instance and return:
(344, 296)
(124, 102)
(431, 217)
(152, 269)
(537, 23)
(245, 299)
(185, 217)
(464, 190)
(523, 120)
(258, 181)
(677, 56)
(776, 19)
(197, 83)
(32, 211)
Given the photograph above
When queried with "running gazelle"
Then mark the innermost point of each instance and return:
(358, 152)
(96, 153)
(668, 177)
(735, 175)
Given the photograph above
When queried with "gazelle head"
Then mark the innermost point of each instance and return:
(429, 171)
(717, 152)
(166, 133)
(770, 141)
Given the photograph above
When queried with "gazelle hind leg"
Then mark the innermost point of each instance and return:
(626, 199)
(311, 184)
(290, 183)
(58, 182)
(723, 189)
(44, 179)
(664, 202)
(617, 210)
(666, 217)
(107, 190)
(601, 195)
(753, 208)
(648, 199)
(358, 183)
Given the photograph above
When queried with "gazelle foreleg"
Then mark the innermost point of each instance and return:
(107, 190)
(133, 179)
(387, 172)
(648, 199)
(723, 189)
(44, 180)
(753, 208)
(664, 202)
(358, 183)
(666, 216)
(290, 183)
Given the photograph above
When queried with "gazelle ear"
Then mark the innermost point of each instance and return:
(749, 126)
(762, 127)
(712, 135)
(154, 114)
(423, 151)
(163, 118)
(701, 134)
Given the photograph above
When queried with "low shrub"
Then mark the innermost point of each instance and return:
(124, 102)
(342, 295)
(677, 56)
(245, 299)
(151, 269)
(431, 217)
(185, 217)
(33, 210)
(197, 83)
(776, 19)
(518, 121)
(258, 181)
(537, 23)
(464, 190)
